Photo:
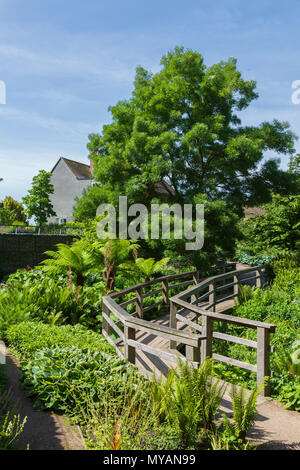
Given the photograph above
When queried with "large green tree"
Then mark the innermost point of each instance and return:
(15, 208)
(182, 125)
(37, 201)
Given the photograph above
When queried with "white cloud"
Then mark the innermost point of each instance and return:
(35, 119)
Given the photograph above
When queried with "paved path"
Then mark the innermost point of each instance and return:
(43, 430)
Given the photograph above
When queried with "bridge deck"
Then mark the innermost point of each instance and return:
(149, 363)
(152, 364)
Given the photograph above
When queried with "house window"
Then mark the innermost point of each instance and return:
(62, 221)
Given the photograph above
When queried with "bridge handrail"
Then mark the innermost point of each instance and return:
(125, 325)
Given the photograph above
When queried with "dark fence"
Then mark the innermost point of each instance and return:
(23, 250)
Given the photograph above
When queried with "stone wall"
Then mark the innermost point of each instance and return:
(22, 250)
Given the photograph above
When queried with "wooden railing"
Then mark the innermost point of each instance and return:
(120, 328)
(204, 318)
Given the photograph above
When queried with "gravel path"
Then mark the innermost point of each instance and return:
(43, 430)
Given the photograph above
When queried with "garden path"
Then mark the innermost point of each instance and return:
(43, 430)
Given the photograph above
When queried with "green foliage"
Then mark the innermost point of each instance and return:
(220, 218)
(11, 212)
(189, 399)
(75, 257)
(37, 201)
(245, 293)
(165, 132)
(26, 338)
(145, 268)
(286, 389)
(11, 425)
(15, 208)
(30, 295)
(64, 379)
(274, 233)
(244, 410)
(277, 304)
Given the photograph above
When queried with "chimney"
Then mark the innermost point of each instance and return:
(92, 165)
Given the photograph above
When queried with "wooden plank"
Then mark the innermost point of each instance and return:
(225, 318)
(128, 302)
(180, 284)
(155, 351)
(228, 297)
(154, 292)
(159, 352)
(171, 277)
(173, 322)
(234, 362)
(189, 323)
(171, 334)
(235, 339)
(115, 308)
(114, 326)
(212, 296)
(226, 286)
(151, 307)
(165, 291)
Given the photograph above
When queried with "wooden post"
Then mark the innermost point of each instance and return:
(105, 325)
(258, 280)
(236, 287)
(173, 322)
(139, 302)
(212, 296)
(207, 332)
(222, 271)
(196, 278)
(263, 358)
(165, 291)
(192, 353)
(129, 350)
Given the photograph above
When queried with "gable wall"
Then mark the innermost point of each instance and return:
(66, 189)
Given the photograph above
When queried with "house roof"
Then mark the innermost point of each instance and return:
(164, 188)
(251, 212)
(80, 170)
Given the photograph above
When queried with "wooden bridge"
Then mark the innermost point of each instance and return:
(186, 329)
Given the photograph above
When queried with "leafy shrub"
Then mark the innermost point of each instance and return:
(39, 297)
(29, 337)
(66, 379)
(189, 399)
(286, 389)
(255, 259)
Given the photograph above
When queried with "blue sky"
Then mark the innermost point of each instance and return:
(65, 61)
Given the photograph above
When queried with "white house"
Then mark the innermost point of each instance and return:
(69, 178)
